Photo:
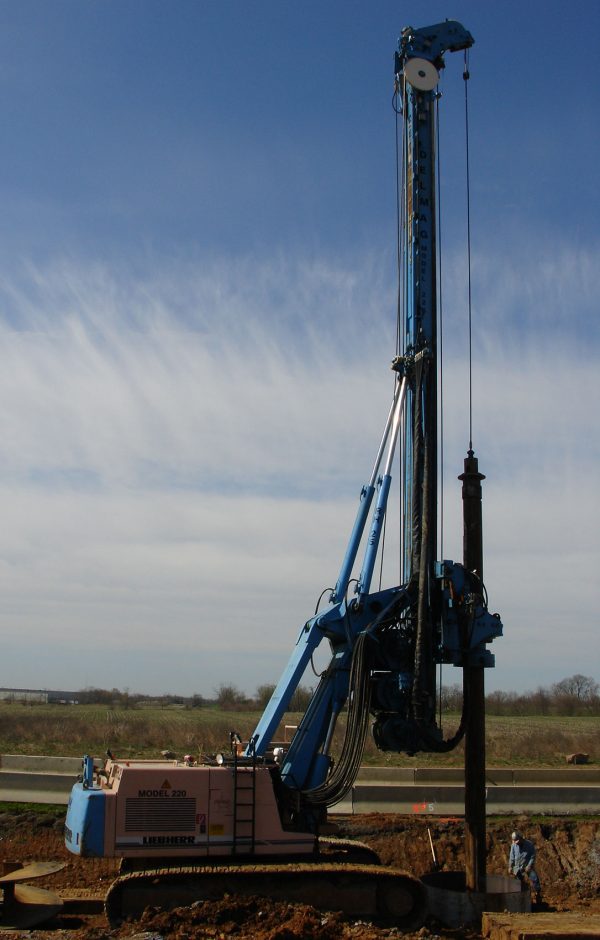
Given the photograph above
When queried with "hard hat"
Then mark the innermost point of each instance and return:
(515, 836)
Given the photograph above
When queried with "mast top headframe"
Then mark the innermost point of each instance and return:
(420, 55)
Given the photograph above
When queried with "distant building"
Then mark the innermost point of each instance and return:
(38, 696)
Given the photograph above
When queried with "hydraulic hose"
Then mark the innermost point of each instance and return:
(359, 703)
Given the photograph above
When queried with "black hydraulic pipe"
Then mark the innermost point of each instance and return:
(474, 691)
(424, 669)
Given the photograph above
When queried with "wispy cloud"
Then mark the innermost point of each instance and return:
(204, 386)
(182, 449)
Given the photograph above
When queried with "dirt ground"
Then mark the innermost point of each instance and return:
(568, 865)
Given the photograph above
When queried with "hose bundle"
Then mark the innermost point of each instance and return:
(357, 724)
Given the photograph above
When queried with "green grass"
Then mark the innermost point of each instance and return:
(540, 741)
(52, 810)
(144, 732)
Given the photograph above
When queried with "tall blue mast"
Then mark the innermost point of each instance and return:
(418, 63)
(385, 644)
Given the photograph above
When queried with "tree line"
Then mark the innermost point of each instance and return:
(576, 695)
(226, 697)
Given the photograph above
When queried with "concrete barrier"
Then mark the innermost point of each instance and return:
(569, 776)
(495, 776)
(38, 763)
(407, 800)
(390, 775)
(499, 776)
(405, 790)
(30, 778)
(445, 775)
(439, 791)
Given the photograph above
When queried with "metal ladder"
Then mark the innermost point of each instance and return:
(244, 803)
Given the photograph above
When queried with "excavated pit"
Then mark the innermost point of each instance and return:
(568, 864)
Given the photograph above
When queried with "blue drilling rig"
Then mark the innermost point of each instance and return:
(383, 645)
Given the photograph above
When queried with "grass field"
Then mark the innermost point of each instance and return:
(74, 730)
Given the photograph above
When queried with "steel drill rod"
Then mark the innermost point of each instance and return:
(474, 691)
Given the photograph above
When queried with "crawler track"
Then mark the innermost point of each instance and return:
(349, 851)
(357, 890)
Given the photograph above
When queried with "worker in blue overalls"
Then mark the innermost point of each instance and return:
(521, 862)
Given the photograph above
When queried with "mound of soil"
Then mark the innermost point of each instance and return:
(568, 864)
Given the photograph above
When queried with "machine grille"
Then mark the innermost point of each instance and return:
(145, 814)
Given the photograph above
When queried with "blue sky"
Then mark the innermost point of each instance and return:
(197, 314)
